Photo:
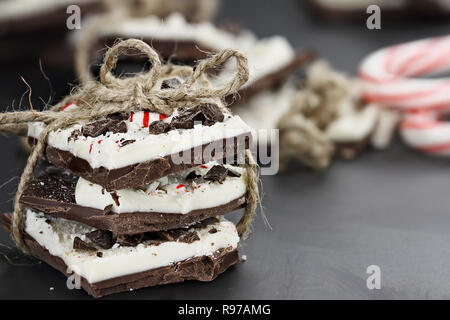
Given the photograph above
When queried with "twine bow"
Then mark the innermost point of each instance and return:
(111, 95)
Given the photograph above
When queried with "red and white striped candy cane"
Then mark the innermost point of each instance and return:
(394, 78)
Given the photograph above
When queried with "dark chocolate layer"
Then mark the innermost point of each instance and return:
(273, 79)
(141, 174)
(204, 268)
(29, 36)
(185, 51)
(54, 194)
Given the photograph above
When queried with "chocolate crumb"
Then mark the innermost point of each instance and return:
(213, 230)
(101, 238)
(74, 135)
(170, 83)
(99, 254)
(158, 127)
(217, 173)
(79, 244)
(126, 142)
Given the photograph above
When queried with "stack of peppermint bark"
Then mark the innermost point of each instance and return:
(137, 199)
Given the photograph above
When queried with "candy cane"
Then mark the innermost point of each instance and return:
(391, 78)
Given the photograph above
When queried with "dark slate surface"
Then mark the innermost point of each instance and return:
(387, 208)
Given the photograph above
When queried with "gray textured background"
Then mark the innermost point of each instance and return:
(386, 208)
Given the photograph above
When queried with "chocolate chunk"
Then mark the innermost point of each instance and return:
(206, 222)
(115, 197)
(191, 176)
(99, 254)
(107, 210)
(99, 127)
(206, 113)
(101, 238)
(74, 135)
(94, 129)
(217, 173)
(117, 126)
(126, 142)
(170, 83)
(212, 113)
(79, 244)
(190, 237)
(158, 127)
(233, 174)
(213, 230)
(130, 240)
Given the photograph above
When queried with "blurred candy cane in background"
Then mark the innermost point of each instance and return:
(403, 78)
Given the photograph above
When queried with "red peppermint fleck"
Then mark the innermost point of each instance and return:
(66, 106)
(131, 117)
(146, 119)
(162, 116)
(90, 148)
(180, 186)
(100, 141)
(204, 167)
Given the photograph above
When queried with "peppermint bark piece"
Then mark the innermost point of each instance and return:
(106, 271)
(145, 146)
(168, 203)
(271, 59)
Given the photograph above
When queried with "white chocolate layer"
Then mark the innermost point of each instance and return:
(265, 110)
(179, 197)
(21, 8)
(354, 126)
(106, 151)
(265, 56)
(58, 236)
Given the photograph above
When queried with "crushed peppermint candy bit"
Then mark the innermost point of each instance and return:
(180, 186)
(66, 106)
